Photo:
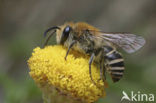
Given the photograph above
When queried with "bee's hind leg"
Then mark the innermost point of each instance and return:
(90, 72)
(104, 74)
(104, 71)
(70, 46)
(102, 77)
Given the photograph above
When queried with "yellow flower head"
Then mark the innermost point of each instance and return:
(50, 70)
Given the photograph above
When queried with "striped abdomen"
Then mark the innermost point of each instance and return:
(115, 63)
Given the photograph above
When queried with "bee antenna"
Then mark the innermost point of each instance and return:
(46, 42)
(45, 34)
(51, 28)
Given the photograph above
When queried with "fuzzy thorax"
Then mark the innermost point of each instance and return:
(50, 70)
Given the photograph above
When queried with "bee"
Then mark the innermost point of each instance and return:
(100, 46)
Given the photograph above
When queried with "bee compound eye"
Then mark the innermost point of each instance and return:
(67, 29)
(65, 34)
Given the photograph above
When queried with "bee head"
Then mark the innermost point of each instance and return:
(65, 34)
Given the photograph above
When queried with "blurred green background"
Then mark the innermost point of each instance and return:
(22, 23)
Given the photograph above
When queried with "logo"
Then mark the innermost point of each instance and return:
(137, 96)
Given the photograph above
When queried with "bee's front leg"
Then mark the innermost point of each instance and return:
(70, 46)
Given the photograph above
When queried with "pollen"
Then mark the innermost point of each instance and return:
(49, 69)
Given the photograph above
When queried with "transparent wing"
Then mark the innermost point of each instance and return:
(128, 42)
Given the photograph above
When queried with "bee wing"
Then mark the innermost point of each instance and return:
(128, 42)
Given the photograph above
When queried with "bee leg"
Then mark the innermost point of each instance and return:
(90, 62)
(70, 46)
(104, 71)
(101, 71)
(104, 74)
